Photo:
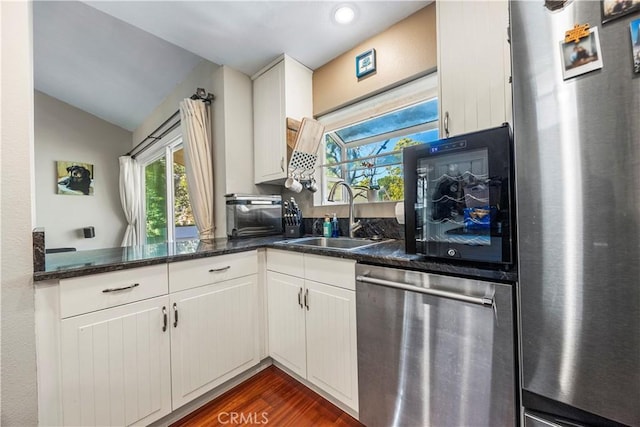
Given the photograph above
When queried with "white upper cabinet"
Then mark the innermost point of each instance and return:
(281, 90)
(474, 64)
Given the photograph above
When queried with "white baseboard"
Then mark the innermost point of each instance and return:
(199, 402)
(321, 392)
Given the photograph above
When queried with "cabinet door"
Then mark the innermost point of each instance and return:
(473, 65)
(332, 360)
(286, 321)
(269, 125)
(116, 366)
(214, 336)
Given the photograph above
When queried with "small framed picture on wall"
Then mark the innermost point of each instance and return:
(74, 178)
(366, 63)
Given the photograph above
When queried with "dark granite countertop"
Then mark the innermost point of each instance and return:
(392, 254)
(389, 254)
(73, 264)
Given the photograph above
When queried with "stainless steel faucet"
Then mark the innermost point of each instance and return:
(353, 226)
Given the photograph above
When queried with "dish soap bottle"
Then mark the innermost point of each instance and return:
(326, 226)
(335, 227)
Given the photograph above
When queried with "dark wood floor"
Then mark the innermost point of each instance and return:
(270, 398)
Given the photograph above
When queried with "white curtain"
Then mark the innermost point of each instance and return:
(198, 154)
(130, 198)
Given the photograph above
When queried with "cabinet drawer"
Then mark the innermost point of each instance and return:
(205, 271)
(286, 262)
(85, 294)
(332, 271)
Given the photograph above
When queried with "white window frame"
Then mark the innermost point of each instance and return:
(165, 147)
(413, 92)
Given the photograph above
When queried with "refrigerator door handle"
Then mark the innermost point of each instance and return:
(486, 301)
(446, 124)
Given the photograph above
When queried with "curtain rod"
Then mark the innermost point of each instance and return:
(151, 139)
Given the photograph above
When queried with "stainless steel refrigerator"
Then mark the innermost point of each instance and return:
(577, 142)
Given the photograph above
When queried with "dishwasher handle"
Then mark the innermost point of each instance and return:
(483, 301)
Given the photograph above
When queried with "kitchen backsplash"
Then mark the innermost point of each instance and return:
(387, 228)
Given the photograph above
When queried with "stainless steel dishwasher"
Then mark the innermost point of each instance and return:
(434, 350)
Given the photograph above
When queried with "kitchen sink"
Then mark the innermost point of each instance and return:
(345, 243)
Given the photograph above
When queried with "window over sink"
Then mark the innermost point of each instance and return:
(363, 142)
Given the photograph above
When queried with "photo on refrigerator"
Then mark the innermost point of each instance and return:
(614, 9)
(581, 57)
(635, 44)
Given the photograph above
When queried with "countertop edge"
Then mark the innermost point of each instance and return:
(40, 276)
(386, 256)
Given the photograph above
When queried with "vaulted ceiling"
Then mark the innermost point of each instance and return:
(119, 59)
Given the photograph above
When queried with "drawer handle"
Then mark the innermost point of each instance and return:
(306, 299)
(124, 288)
(164, 316)
(175, 315)
(300, 298)
(216, 270)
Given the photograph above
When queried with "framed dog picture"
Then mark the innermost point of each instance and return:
(74, 178)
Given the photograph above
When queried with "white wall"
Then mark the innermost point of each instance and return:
(233, 141)
(232, 131)
(219, 164)
(238, 132)
(18, 366)
(201, 76)
(63, 132)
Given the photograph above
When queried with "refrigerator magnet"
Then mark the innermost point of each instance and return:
(614, 9)
(580, 51)
(634, 26)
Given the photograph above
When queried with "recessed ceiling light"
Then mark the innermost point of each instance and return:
(344, 14)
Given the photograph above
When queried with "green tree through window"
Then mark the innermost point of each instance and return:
(156, 201)
(368, 154)
(182, 204)
(393, 181)
(176, 222)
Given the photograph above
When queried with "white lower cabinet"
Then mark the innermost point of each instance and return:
(287, 321)
(312, 325)
(332, 359)
(116, 366)
(139, 350)
(145, 342)
(214, 336)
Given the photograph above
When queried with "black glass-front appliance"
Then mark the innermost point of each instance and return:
(459, 198)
